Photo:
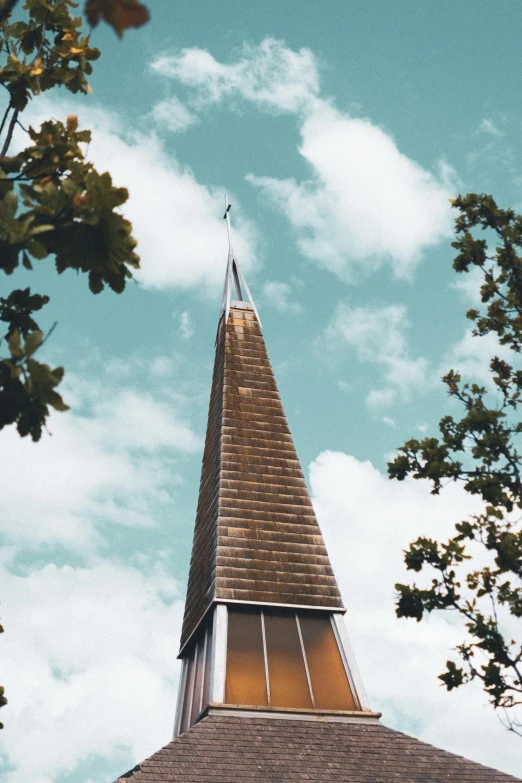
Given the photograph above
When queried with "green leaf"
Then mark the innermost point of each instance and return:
(37, 249)
(14, 344)
(453, 677)
(8, 206)
(57, 402)
(33, 342)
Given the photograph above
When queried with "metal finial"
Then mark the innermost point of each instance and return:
(234, 273)
(226, 216)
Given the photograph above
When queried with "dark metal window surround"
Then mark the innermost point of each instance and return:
(197, 679)
(284, 659)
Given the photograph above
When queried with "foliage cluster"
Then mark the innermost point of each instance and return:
(481, 450)
(53, 202)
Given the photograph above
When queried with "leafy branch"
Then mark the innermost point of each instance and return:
(481, 450)
(53, 202)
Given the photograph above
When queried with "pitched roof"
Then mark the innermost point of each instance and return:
(221, 749)
(256, 537)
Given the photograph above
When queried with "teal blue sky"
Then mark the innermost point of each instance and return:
(340, 131)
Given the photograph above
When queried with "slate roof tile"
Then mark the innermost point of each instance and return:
(223, 749)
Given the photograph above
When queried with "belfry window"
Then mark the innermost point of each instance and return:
(285, 659)
(246, 680)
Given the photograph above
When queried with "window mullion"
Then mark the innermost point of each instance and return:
(193, 683)
(202, 689)
(266, 658)
(304, 659)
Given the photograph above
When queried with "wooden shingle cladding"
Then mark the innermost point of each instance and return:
(256, 537)
(221, 749)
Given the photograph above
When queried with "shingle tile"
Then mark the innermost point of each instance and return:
(253, 497)
(222, 749)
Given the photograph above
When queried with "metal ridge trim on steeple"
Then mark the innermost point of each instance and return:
(310, 607)
(234, 274)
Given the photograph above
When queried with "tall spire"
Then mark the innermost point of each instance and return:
(234, 274)
(256, 537)
(263, 625)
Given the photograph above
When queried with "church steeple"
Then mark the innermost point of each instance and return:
(269, 687)
(263, 621)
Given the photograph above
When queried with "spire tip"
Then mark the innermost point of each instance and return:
(234, 273)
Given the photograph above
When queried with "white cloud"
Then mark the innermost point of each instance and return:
(378, 335)
(89, 653)
(367, 521)
(124, 369)
(173, 115)
(365, 204)
(344, 386)
(177, 220)
(185, 325)
(162, 366)
(471, 356)
(488, 126)
(375, 332)
(108, 463)
(468, 285)
(89, 665)
(279, 296)
(492, 155)
(270, 75)
(137, 421)
(377, 399)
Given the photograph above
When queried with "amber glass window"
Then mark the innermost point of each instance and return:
(246, 675)
(325, 666)
(281, 658)
(286, 667)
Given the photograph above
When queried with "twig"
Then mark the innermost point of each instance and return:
(511, 724)
(6, 114)
(6, 41)
(14, 118)
(10, 130)
(49, 333)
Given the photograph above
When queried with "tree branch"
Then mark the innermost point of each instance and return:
(6, 114)
(9, 137)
